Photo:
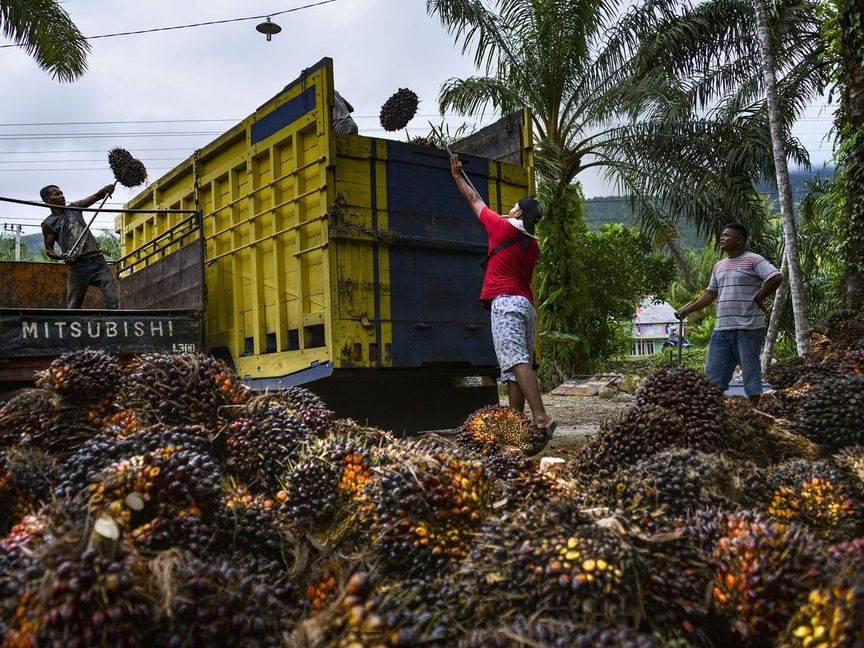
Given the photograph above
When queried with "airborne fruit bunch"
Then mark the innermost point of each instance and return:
(494, 426)
(399, 109)
(83, 376)
(830, 413)
(762, 571)
(127, 170)
(180, 388)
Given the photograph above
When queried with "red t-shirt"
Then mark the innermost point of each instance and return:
(509, 270)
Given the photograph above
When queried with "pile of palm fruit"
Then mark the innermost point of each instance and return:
(160, 503)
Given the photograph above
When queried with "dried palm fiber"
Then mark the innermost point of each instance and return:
(399, 109)
(834, 335)
(127, 170)
(491, 428)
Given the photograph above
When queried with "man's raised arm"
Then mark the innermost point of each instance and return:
(107, 190)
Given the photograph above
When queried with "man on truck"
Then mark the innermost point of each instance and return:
(506, 292)
(740, 283)
(87, 266)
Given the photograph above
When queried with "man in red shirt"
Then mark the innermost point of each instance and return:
(513, 253)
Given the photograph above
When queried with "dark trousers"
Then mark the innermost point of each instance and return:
(90, 271)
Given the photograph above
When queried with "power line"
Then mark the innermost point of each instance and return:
(201, 24)
(55, 152)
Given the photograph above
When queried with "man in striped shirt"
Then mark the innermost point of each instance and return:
(740, 283)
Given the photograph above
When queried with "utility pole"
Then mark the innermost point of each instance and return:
(16, 228)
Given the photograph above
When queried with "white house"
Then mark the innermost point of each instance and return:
(651, 326)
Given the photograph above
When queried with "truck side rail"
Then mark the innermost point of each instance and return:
(176, 235)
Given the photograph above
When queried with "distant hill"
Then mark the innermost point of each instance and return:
(602, 210)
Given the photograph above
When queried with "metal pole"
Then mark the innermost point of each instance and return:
(680, 341)
(464, 175)
(16, 229)
(71, 252)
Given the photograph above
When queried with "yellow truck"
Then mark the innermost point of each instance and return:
(344, 263)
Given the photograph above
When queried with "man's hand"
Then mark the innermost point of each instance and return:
(681, 314)
(455, 166)
(107, 190)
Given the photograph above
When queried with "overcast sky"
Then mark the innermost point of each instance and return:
(218, 74)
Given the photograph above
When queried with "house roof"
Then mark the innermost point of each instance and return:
(651, 312)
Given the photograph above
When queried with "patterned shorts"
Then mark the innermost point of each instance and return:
(514, 325)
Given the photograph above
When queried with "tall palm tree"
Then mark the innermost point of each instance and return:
(775, 118)
(573, 65)
(46, 32)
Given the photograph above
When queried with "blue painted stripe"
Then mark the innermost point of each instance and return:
(376, 270)
(287, 113)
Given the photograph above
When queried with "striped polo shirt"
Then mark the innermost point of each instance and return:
(736, 282)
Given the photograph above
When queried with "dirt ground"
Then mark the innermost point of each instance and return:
(577, 417)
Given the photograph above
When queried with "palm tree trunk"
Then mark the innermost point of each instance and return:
(776, 315)
(683, 262)
(852, 76)
(790, 238)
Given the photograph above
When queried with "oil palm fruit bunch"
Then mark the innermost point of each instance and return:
(851, 461)
(835, 334)
(31, 471)
(637, 434)
(678, 482)
(551, 560)
(167, 497)
(762, 571)
(219, 604)
(82, 467)
(251, 523)
(690, 395)
(372, 612)
(830, 413)
(82, 376)
(259, 448)
(787, 373)
(83, 600)
(309, 495)
(38, 419)
(297, 402)
(524, 633)
(784, 403)
(745, 433)
(127, 170)
(425, 510)
(494, 426)
(399, 109)
(180, 388)
(526, 489)
(817, 495)
(832, 617)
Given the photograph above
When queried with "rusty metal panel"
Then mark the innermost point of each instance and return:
(176, 281)
(502, 141)
(41, 332)
(39, 284)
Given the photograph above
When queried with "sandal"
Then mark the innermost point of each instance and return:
(549, 431)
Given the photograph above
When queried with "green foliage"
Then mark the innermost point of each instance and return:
(693, 357)
(590, 283)
(47, 33)
(7, 248)
(109, 243)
